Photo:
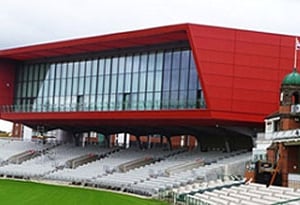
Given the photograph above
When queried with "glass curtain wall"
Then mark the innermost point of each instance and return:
(156, 80)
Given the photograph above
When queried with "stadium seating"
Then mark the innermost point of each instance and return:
(190, 176)
(9, 148)
(23, 156)
(49, 160)
(78, 161)
(158, 180)
(248, 194)
(16, 151)
(127, 169)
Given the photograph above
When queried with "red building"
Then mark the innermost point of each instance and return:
(174, 80)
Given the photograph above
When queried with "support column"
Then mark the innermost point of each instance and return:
(169, 142)
(161, 141)
(125, 141)
(187, 141)
(196, 143)
(89, 138)
(17, 130)
(107, 141)
(76, 137)
(189, 145)
(149, 141)
(227, 144)
(201, 145)
(139, 141)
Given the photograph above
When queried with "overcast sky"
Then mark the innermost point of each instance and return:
(25, 22)
(35, 21)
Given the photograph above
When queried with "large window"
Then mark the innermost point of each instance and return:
(154, 80)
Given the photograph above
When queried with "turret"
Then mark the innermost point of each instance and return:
(289, 110)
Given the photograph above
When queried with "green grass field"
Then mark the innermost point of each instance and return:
(23, 193)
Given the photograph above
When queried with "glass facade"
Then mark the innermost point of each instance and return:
(153, 80)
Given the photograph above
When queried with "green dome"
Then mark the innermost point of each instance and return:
(292, 79)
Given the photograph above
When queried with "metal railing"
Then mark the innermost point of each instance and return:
(193, 200)
(279, 135)
(112, 106)
(288, 201)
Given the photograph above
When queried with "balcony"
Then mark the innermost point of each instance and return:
(111, 106)
(288, 135)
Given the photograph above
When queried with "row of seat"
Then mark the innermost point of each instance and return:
(9, 148)
(107, 165)
(148, 179)
(246, 194)
(143, 180)
(49, 161)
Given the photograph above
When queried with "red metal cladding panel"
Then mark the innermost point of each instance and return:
(287, 52)
(223, 92)
(106, 42)
(215, 56)
(252, 108)
(100, 119)
(256, 84)
(220, 90)
(285, 67)
(218, 68)
(287, 57)
(249, 72)
(260, 49)
(240, 71)
(206, 43)
(256, 60)
(287, 41)
(238, 117)
(258, 37)
(286, 64)
(220, 104)
(7, 76)
(219, 81)
(256, 73)
(213, 62)
(212, 32)
(255, 89)
(255, 96)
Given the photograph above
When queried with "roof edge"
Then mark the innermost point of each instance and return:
(82, 40)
